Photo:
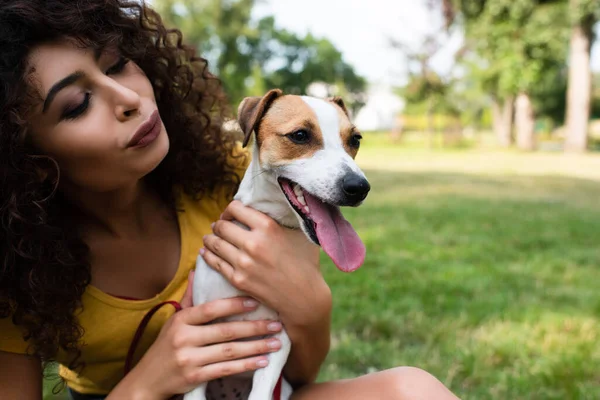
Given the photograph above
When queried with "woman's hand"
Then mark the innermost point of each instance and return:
(280, 268)
(277, 266)
(187, 352)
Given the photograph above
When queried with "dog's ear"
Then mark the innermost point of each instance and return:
(251, 111)
(338, 100)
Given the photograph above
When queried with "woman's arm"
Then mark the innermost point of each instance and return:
(311, 340)
(20, 377)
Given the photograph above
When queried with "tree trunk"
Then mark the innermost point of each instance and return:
(502, 120)
(579, 90)
(430, 124)
(525, 122)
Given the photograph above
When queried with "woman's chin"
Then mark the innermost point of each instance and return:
(155, 153)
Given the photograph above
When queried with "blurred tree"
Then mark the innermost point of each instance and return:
(596, 96)
(426, 92)
(251, 57)
(584, 14)
(221, 31)
(293, 63)
(516, 51)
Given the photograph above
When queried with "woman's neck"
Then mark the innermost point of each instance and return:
(121, 212)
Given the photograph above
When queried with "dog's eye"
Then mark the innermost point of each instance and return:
(355, 140)
(299, 137)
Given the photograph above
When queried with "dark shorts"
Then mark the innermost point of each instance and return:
(78, 396)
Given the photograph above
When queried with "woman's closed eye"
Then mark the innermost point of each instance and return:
(73, 112)
(118, 67)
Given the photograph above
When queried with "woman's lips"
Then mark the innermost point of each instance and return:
(147, 132)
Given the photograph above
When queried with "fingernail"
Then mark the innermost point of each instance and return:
(212, 226)
(250, 303)
(262, 363)
(274, 344)
(202, 251)
(274, 326)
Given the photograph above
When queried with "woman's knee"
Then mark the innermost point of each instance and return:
(410, 383)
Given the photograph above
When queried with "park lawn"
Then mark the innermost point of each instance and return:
(483, 267)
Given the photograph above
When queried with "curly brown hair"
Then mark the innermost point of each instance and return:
(44, 263)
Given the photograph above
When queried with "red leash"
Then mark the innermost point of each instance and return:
(140, 331)
(277, 391)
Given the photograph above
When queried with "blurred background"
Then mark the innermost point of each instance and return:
(481, 125)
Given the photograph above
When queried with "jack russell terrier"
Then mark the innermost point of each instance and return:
(302, 170)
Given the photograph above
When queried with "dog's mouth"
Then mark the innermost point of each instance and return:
(326, 226)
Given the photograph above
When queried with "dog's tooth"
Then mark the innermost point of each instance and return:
(297, 191)
(301, 200)
(307, 209)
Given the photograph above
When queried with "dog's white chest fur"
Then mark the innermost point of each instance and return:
(209, 285)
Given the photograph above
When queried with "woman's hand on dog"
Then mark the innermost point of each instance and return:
(280, 268)
(188, 352)
(276, 265)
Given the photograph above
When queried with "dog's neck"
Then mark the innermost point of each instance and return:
(260, 190)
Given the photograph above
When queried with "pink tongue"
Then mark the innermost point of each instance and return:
(337, 237)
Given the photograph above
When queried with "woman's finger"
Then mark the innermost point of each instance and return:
(230, 331)
(217, 263)
(231, 232)
(250, 217)
(217, 353)
(215, 371)
(221, 248)
(208, 312)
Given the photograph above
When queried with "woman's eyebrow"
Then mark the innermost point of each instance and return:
(57, 87)
(69, 80)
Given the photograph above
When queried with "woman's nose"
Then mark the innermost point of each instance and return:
(126, 101)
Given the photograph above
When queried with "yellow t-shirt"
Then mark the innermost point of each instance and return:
(110, 323)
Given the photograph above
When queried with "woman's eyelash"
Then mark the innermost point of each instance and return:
(118, 67)
(76, 112)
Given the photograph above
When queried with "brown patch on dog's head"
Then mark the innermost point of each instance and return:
(347, 129)
(252, 109)
(289, 115)
(338, 100)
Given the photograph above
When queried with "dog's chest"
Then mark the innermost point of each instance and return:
(209, 285)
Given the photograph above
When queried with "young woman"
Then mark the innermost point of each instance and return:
(113, 166)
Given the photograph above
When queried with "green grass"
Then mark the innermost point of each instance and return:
(483, 267)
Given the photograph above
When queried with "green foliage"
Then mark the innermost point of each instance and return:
(585, 12)
(428, 93)
(250, 56)
(221, 30)
(300, 61)
(514, 39)
(514, 46)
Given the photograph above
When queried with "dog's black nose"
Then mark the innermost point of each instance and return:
(355, 187)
